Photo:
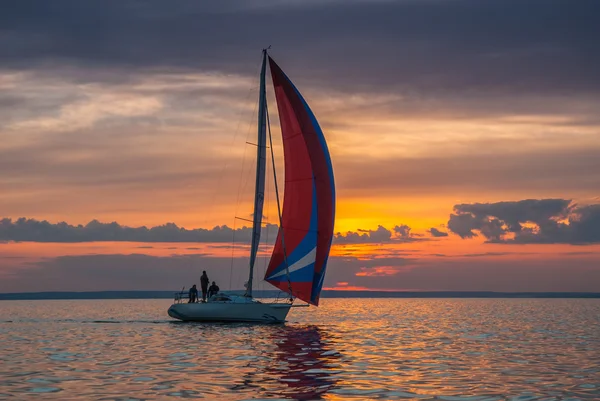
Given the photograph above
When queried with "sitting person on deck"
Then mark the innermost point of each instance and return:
(193, 294)
(213, 290)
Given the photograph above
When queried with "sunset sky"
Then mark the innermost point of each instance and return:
(464, 137)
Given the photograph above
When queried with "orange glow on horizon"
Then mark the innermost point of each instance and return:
(429, 248)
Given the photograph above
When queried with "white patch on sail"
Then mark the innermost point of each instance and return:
(303, 262)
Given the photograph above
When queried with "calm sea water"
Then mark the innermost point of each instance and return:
(366, 349)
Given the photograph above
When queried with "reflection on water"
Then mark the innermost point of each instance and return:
(449, 350)
(300, 361)
(303, 362)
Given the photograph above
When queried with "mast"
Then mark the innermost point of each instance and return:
(261, 163)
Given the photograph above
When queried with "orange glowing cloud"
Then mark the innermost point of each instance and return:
(380, 271)
(347, 288)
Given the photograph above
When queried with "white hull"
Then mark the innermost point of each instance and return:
(249, 311)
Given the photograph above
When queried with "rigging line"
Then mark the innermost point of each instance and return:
(241, 183)
(287, 271)
(237, 202)
(264, 223)
(266, 240)
(257, 85)
(221, 174)
(232, 254)
(254, 144)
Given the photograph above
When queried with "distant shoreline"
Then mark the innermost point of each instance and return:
(66, 295)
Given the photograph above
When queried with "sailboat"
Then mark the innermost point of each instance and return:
(297, 264)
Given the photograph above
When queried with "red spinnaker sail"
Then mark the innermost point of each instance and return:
(304, 240)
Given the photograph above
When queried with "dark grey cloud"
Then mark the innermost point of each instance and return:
(437, 233)
(381, 234)
(484, 254)
(556, 274)
(23, 229)
(124, 272)
(544, 221)
(403, 231)
(146, 272)
(399, 233)
(429, 53)
(496, 45)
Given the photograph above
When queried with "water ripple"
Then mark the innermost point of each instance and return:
(451, 350)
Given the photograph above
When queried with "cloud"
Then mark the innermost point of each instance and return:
(132, 103)
(23, 229)
(84, 114)
(381, 234)
(469, 273)
(403, 231)
(497, 169)
(543, 274)
(544, 221)
(121, 272)
(437, 233)
(400, 233)
(95, 272)
(158, 133)
(68, 99)
(485, 254)
(379, 271)
(69, 118)
(437, 45)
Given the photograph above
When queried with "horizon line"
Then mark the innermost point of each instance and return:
(166, 294)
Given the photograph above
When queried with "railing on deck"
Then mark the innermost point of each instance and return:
(282, 297)
(181, 297)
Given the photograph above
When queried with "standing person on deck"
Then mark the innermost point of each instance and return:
(204, 285)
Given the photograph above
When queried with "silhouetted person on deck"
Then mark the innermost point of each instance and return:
(213, 290)
(204, 285)
(193, 294)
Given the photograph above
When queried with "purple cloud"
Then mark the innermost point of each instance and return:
(437, 233)
(544, 221)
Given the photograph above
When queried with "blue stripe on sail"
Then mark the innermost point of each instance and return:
(303, 275)
(324, 147)
(308, 243)
(319, 276)
(318, 281)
